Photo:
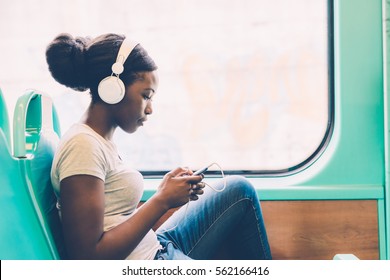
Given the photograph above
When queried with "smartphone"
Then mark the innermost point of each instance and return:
(202, 170)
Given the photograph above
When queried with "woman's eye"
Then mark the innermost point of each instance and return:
(146, 97)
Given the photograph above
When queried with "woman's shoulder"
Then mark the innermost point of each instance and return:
(81, 139)
(80, 152)
(81, 133)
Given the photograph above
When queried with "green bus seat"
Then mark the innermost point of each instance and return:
(29, 226)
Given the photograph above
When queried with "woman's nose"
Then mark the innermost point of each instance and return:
(149, 109)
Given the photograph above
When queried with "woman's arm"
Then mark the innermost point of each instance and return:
(82, 210)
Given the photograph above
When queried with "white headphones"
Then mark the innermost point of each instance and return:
(111, 89)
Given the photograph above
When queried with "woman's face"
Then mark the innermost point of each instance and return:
(135, 107)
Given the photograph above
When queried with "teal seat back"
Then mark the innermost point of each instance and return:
(17, 217)
(31, 229)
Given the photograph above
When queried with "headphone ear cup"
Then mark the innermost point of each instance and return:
(111, 90)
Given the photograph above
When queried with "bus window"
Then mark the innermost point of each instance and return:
(242, 83)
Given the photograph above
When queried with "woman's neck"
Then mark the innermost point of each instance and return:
(98, 118)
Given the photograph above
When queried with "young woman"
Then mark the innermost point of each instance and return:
(98, 194)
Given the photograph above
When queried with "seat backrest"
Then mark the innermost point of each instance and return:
(30, 194)
(22, 235)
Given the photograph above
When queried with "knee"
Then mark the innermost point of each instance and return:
(242, 185)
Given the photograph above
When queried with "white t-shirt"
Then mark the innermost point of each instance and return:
(83, 151)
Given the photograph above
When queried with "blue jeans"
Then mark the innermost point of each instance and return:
(232, 216)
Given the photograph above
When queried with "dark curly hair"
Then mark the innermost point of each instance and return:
(81, 63)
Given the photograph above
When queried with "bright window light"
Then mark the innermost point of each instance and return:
(242, 82)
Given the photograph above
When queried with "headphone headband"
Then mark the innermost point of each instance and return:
(124, 51)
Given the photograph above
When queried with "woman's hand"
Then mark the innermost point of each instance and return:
(179, 186)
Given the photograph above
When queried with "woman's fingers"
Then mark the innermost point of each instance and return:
(198, 186)
(196, 190)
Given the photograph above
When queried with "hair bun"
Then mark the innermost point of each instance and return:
(65, 56)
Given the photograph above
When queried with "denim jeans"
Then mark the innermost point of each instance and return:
(232, 216)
